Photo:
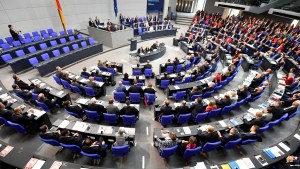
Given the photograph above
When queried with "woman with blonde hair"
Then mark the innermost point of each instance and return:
(211, 106)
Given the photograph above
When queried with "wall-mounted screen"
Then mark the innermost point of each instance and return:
(155, 6)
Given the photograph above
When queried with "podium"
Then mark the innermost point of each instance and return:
(133, 44)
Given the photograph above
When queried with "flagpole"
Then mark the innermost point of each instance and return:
(59, 10)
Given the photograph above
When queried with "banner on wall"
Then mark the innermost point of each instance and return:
(116, 8)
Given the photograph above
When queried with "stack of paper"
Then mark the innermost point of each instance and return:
(284, 146)
(187, 130)
(297, 136)
(200, 165)
(214, 167)
(234, 122)
(63, 124)
(56, 165)
(273, 152)
(177, 104)
(5, 151)
(222, 123)
(31, 163)
(39, 164)
(176, 87)
(241, 164)
(82, 101)
(108, 130)
(80, 126)
(248, 162)
(60, 93)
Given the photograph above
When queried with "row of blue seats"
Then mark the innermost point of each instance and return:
(210, 146)
(43, 46)
(34, 37)
(118, 151)
(19, 128)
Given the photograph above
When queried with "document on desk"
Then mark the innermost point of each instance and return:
(56, 165)
(71, 76)
(5, 151)
(225, 166)
(60, 93)
(31, 163)
(176, 87)
(252, 111)
(82, 101)
(261, 160)
(39, 164)
(297, 136)
(241, 164)
(80, 126)
(200, 165)
(177, 104)
(187, 130)
(222, 123)
(276, 151)
(172, 76)
(108, 130)
(83, 80)
(284, 146)
(214, 167)
(63, 124)
(248, 162)
(206, 101)
(38, 113)
(130, 131)
(35, 81)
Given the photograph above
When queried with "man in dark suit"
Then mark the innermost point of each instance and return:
(229, 134)
(59, 72)
(46, 134)
(258, 120)
(14, 34)
(50, 103)
(256, 81)
(21, 118)
(91, 83)
(136, 89)
(178, 78)
(91, 23)
(292, 109)
(197, 107)
(84, 73)
(226, 101)
(25, 94)
(5, 113)
(21, 83)
(148, 65)
(166, 109)
(242, 92)
(93, 106)
(207, 135)
(75, 83)
(129, 110)
(96, 147)
(251, 135)
(194, 91)
(77, 109)
(66, 138)
(210, 87)
(176, 61)
(256, 92)
(276, 109)
(111, 108)
(37, 89)
(108, 22)
(97, 22)
(169, 63)
(182, 109)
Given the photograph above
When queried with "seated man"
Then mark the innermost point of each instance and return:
(37, 89)
(46, 134)
(84, 73)
(136, 89)
(75, 83)
(5, 113)
(25, 94)
(258, 120)
(148, 65)
(229, 134)
(50, 103)
(111, 108)
(77, 109)
(93, 106)
(67, 138)
(226, 101)
(210, 87)
(166, 109)
(91, 83)
(197, 107)
(208, 134)
(242, 92)
(58, 72)
(96, 147)
(292, 109)
(129, 110)
(169, 63)
(121, 87)
(276, 109)
(182, 109)
(21, 83)
(256, 81)
(21, 118)
(251, 135)
(256, 92)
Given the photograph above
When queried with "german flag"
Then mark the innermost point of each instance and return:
(61, 15)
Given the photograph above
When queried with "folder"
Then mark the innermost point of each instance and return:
(225, 166)
(233, 165)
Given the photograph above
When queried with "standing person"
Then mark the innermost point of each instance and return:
(14, 33)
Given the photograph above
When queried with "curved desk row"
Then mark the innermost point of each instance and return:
(153, 55)
(49, 66)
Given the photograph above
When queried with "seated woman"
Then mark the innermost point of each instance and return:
(211, 106)
(218, 78)
(121, 137)
(225, 75)
(170, 141)
(190, 144)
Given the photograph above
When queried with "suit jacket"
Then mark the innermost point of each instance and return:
(228, 137)
(182, 110)
(136, 89)
(25, 95)
(85, 74)
(248, 135)
(197, 108)
(78, 85)
(59, 74)
(254, 94)
(207, 89)
(48, 102)
(112, 109)
(7, 114)
(204, 137)
(277, 112)
(248, 124)
(94, 149)
(149, 90)
(75, 109)
(290, 110)
(166, 110)
(22, 84)
(50, 135)
(39, 90)
(178, 79)
(223, 102)
(147, 66)
(77, 140)
(22, 119)
(256, 82)
(129, 110)
(169, 64)
(121, 89)
(96, 107)
(242, 94)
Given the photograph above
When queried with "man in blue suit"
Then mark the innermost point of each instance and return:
(121, 87)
